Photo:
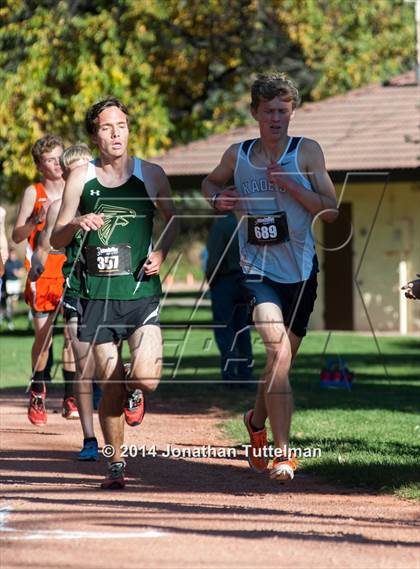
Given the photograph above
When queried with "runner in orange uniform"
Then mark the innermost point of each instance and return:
(43, 296)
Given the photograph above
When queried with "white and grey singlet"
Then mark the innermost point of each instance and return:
(290, 261)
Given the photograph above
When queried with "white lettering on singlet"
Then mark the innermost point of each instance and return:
(256, 185)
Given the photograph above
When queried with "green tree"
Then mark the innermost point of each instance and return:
(205, 54)
(350, 44)
(183, 66)
(57, 59)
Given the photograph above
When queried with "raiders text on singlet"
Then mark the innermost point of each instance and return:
(275, 236)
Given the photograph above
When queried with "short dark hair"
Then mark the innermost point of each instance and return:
(45, 144)
(266, 87)
(91, 118)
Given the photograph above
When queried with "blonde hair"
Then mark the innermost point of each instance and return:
(266, 87)
(77, 151)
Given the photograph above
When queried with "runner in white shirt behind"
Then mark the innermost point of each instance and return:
(280, 185)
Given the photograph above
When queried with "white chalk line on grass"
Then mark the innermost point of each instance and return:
(64, 534)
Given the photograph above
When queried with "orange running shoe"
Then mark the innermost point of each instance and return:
(255, 455)
(70, 410)
(115, 477)
(37, 413)
(283, 469)
(134, 408)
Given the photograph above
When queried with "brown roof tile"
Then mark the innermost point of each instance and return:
(372, 128)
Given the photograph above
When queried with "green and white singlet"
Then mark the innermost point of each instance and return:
(114, 254)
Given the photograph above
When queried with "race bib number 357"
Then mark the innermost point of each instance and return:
(268, 229)
(108, 261)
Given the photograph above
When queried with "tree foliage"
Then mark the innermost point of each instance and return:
(61, 58)
(182, 66)
(205, 54)
(350, 44)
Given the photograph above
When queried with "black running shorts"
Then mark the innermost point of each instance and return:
(296, 300)
(104, 321)
(71, 308)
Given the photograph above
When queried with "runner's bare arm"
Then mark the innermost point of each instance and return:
(213, 185)
(67, 221)
(39, 258)
(312, 162)
(26, 221)
(159, 189)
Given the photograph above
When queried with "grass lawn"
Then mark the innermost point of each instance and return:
(369, 437)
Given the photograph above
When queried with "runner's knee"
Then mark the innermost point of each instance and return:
(147, 382)
(149, 385)
(279, 357)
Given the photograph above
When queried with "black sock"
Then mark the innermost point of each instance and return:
(69, 377)
(37, 384)
(89, 439)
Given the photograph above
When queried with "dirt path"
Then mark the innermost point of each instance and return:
(195, 512)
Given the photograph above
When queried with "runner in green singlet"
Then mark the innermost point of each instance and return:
(117, 197)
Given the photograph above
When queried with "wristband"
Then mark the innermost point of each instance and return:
(213, 199)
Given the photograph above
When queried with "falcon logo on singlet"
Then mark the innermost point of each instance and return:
(114, 217)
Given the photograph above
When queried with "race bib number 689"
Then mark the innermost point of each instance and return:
(268, 229)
